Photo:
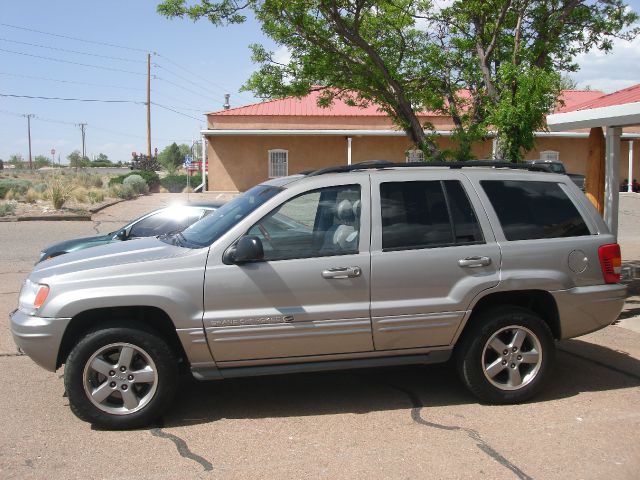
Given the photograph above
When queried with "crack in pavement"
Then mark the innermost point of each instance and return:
(96, 224)
(600, 364)
(181, 445)
(473, 434)
(18, 354)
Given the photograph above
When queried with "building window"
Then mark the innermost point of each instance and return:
(278, 163)
(550, 156)
(414, 156)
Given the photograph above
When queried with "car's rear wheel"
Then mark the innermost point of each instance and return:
(506, 355)
(120, 377)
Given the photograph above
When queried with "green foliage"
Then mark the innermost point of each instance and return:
(41, 161)
(76, 160)
(177, 183)
(18, 186)
(126, 192)
(7, 208)
(475, 60)
(95, 196)
(171, 158)
(151, 178)
(16, 160)
(137, 183)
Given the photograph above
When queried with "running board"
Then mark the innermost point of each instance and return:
(215, 373)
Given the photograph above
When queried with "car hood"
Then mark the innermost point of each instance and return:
(116, 257)
(77, 244)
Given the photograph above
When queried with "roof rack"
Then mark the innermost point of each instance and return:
(381, 164)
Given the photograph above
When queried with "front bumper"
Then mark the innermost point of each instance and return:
(38, 337)
(584, 310)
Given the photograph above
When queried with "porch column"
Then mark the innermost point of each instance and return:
(349, 150)
(204, 164)
(612, 177)
(595, 169)
(630, 186)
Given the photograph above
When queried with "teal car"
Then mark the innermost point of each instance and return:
(158, 222)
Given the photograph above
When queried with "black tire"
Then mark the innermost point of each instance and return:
(475, 356)
(105, 348)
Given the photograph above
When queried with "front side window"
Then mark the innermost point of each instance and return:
(278, 163)
(317, 223)
(531, 210)
(160, 223)
(427, 214)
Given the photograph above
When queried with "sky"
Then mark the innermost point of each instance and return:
(193, 66)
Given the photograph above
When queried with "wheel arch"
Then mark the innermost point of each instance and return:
(540, 302)
(142, 316)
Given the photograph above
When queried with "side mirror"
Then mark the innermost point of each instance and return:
(248, 249)
(122, 234)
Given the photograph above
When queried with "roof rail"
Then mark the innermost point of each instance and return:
(380, 164)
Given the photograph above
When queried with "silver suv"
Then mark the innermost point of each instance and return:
(346, 267)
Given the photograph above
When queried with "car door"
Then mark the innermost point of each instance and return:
(310, 294)
(432, 252)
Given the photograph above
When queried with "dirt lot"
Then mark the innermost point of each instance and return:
(415, 422)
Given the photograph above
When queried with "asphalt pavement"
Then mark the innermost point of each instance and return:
(411, 422)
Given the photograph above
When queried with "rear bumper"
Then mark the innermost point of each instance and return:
(584, 310)
(38, 337)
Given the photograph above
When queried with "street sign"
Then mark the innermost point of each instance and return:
(187, 161)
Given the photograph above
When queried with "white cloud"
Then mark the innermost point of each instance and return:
(282, 55)
(610, 72)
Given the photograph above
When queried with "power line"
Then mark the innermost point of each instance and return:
(70, 81)
(226, 89)
(74, 38)
(72, 63)
(37, 97)
(183, 78)
(72, 51)
(176, 111)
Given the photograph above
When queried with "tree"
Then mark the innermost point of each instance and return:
(489, 64)
(171, 158)
(16, 160)
(41, 161)
(76, 160)
(568, 83)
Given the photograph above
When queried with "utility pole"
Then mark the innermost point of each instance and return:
(29, 117)
(82, 127)
(149, 106)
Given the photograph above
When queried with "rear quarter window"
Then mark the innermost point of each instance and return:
(532, 210)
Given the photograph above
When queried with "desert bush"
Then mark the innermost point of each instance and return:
(40, 187)
(80, 194)
(7, 208)
(126, 192)
(59, 190)
(10, 195)
(163, 190)
(17, 185)
(88, 180)
(151, 178)
(32, 195)
(95, 196)
(137, 183)
(177, 183)
(188, 189)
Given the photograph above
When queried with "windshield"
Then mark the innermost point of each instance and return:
(206, 231)
(556, 167)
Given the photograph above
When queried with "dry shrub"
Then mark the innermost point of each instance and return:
(80, 194)
(95, 195)
(59, 190)
(10, 195)
(32, 195)
(187, 190)
(163, 190)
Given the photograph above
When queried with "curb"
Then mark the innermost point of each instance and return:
(62, 218)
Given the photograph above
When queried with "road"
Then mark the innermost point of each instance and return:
(416, 422)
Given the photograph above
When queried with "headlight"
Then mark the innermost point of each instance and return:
(32, 296)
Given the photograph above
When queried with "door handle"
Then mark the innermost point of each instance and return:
(342, 272)
(473, 262)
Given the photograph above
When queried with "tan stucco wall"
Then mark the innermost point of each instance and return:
(236, 163)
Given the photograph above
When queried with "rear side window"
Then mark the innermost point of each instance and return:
(426, 215)
(531, 210)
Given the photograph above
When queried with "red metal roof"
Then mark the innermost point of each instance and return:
(626, 95)
(308, 106)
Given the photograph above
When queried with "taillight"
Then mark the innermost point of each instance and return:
(610, 262)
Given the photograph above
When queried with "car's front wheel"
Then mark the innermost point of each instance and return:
(120, 377)
(506, 355)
